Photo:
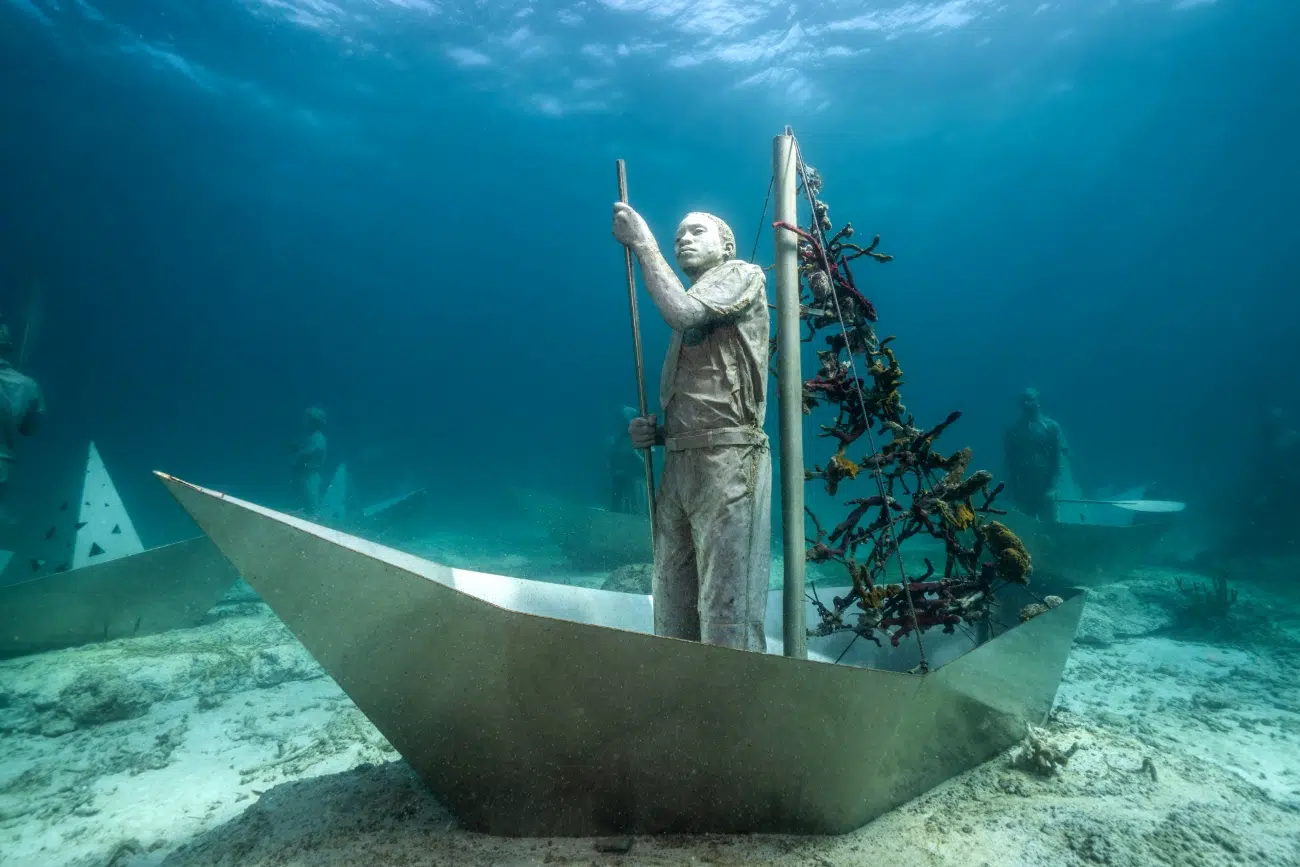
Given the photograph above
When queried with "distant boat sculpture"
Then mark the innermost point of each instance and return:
(94, 580)
(1094, 539)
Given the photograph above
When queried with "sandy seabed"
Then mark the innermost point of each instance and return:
(227, 745)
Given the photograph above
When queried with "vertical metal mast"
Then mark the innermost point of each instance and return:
(790, 391)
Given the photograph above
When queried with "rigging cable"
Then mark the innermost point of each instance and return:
(753, 254)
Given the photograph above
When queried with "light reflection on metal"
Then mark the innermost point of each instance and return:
(540, 709)
(163, 588)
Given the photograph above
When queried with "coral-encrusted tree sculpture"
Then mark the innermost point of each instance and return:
(914, 489)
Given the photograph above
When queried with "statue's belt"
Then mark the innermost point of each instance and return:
(719, 436)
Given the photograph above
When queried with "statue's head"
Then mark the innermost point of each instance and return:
(1029, 401)
(703, 241)
(315, 418)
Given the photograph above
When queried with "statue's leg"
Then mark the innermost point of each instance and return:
(1036, 501)
(313, 485)
(675, 585)
(733, 521)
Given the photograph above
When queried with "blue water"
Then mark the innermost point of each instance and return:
(400, 212)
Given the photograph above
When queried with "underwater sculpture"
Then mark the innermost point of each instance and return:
(713, 517)
(309, 462)
(1036, 453)
(539, 709)
(89, 577)
(21, 407)
(918, 490)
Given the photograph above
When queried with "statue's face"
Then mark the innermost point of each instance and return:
(699, 245)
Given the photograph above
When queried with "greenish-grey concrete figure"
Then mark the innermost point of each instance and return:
(309, 463)
(1035, 454)
(1270, 510)
(714, 509)
(22, 405)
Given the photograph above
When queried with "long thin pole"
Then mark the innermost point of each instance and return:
(790, 395)
(640, 365)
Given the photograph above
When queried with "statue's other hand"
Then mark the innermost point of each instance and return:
(642, 431)
(630, 228)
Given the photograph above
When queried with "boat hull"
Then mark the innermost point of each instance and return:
(1085, 554)
(169, 587)
(537, 709)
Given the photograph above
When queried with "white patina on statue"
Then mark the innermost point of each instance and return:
(714, 512)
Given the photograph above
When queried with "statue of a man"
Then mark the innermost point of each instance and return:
(1036, 451)
(714, 510)
(21, 407)
(309, 462)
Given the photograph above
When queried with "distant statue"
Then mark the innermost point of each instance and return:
(626, 471)
(1258, 514)
(1274, 466)
(1035, 454)
(713, 520)
(21, 408)
(309, 463)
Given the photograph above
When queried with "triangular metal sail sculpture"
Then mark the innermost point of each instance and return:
(104, 529)
(92, 528)
(94, 581)
(544, 709)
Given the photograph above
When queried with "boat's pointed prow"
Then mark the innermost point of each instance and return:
(538, 709)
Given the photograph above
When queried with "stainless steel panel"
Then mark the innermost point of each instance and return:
(163, 588)
(540, 710)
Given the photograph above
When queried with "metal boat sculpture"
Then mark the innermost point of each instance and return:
(89, 578)
(1072, 552)
(1089, 542)
(169, 587)
(537, 709)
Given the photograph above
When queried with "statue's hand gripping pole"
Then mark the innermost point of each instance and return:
(636, 349)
